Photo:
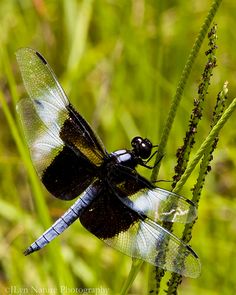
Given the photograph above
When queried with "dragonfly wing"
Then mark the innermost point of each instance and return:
(64, 149)
(156, 203)
(133, 233)
(150, 242)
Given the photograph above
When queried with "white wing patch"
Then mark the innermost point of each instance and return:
(162, 205)
(44, 112)
(44, 140)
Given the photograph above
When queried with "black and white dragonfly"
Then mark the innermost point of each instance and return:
(115, 203)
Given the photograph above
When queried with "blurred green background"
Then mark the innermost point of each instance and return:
(119, 63)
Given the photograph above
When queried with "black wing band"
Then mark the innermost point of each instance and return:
(156, 203)
(128, 230)
(58, 137)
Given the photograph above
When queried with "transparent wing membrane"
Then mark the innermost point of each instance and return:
(39, 79)
(148, 241)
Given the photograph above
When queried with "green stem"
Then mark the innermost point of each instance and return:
(205, 145)
(176, 279)
(159, 273)
(182, 82)
(135, 267)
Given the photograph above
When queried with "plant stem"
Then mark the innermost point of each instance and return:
(182, 82)
(183, 152)
(135, 267)
(205, 145)
(159, 273)
(176, 279)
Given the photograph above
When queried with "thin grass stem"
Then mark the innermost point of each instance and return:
(135, 267)
(205, 145)
(182, 82)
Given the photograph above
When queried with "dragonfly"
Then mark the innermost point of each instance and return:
(114, 202)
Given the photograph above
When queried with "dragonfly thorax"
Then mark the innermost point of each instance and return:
(124, 158)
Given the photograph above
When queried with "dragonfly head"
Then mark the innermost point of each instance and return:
(142, 147)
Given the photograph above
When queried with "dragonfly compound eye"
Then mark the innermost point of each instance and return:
(142, 147)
